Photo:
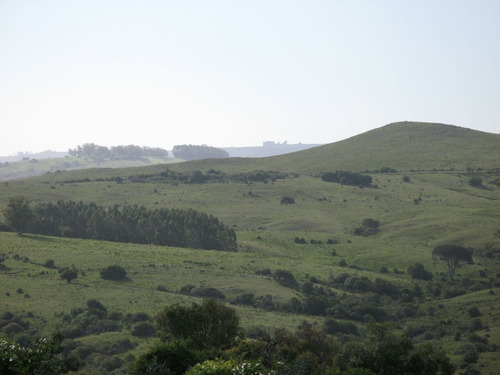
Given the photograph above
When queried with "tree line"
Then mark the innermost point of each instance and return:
(194, 152)
(347, 178)
(130, 223)
(129, 152)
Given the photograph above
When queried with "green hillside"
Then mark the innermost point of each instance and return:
(352, 251)
(402, 146)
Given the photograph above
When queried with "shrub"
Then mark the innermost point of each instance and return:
(95, 304)
(113, 273)
(474, 312)
(49, 263)
(287, 200)
(207, 292)
(476, 181)
(417, 271)
(213, 367)
(285, 278)
(144, 329)
(69, 274)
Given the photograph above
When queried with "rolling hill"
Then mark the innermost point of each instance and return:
(323, 234)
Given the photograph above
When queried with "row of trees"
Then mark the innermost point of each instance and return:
(129, 152)
(194, 152)
(205, 338)
(347, 178)
(136, 224)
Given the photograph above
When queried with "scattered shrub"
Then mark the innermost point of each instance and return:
(113, 273)
(143, 329)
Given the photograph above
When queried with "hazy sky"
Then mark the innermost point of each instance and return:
(237, 72)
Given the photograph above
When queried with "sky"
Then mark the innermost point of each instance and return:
(236, 73)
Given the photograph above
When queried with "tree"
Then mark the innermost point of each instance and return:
(45, 356)
(18, 213)
(453, 255)
(113, 273)
(418, 271)
(69, 274)
(209, 325)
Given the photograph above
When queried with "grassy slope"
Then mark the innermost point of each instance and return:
(35, 167)
(450, 211)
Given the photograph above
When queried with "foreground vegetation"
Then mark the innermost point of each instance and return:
(312, 252)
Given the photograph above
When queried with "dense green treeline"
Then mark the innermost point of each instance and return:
(129, 152)
(130, 223)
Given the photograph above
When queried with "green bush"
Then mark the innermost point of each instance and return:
(113, 273)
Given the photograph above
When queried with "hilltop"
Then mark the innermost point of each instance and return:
(331, 254)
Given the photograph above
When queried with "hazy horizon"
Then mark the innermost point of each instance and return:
(237, 74)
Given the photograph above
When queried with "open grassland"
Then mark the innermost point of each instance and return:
(417, 208)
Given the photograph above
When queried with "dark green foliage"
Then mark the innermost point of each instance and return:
(95, 304)
(287, 200)
(476, 182)
(49, 263)
(68, 274)
(182, 228)
(285, 278)
(19, 214)
(387, 170)
(130, 152)
(347, 178)
(42, 357)
(143, 329)
(210, 324)
(453, 255)
(406, 179)
(193, 152)
(417, 271)
(207, 292)
(333, 327)
(166, 358)
(114, 273)
(368, 227)
(386, 353)
(474, 312)
(300, 240)
(246, 299)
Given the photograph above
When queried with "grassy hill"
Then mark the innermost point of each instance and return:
(331, 264)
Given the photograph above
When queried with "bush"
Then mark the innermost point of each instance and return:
(207, 293)
(417, 271)
(144, 329)
(476, 181)
(174, 357)
(69, 274)
(113, 273)
(213, 367)
(474, 312)
(287, 200)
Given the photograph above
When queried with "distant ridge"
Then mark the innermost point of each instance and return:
(403, 146)
(267, 149)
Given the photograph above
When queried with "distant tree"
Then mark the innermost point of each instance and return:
(114, 272)
(417, 271)
(41, 357)
(69, 274)
(285, 278)
(210, 324)
(194, 152)
(453, 255)
(476, 181)
(18, 214)
(287, 200)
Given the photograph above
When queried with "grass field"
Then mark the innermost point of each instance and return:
(434, 207)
